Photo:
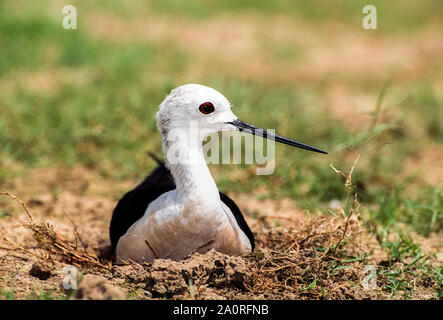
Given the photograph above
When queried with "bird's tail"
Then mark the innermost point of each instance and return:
(156, 159)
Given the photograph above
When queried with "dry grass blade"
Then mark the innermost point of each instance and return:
(276, 267)
(77, 235)
(49, 241)
(351, 187)
(19, 201)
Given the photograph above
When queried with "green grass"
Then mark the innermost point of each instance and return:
(7, 289)
(7, 294)
(406, 264)
(4, 214)
(50, 294)
(424, 212)
(392, 17)
(108, 118)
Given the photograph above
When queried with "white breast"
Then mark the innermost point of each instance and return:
(169, 229)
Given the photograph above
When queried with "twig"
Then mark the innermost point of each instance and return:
(202, 246)
(76, 234)
(276, 269)
(19, 201)
(49, 241)
(147, 243)
(348, 184)
(354, 205)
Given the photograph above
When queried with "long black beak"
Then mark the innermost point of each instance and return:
(243, 126)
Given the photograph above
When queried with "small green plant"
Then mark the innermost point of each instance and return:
(7, 294)
(8, 285)
(46, 294)
(311, 286)
(191, 288)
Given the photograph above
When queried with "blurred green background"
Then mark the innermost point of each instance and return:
(88, 97)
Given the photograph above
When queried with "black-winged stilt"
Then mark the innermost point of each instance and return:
(177, 210)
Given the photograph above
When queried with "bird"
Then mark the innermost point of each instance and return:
(177, 209)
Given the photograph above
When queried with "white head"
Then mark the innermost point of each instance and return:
(203, 106)
(195, 105)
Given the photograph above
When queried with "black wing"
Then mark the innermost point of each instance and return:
(238, 217)
(133, 205)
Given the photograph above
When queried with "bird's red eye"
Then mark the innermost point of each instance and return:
(206, 108)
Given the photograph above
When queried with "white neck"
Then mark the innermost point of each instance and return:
(195, 185)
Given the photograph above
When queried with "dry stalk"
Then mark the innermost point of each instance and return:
(49, 241)
(348, 183)
(19, 201)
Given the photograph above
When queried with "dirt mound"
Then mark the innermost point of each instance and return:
(201, 276)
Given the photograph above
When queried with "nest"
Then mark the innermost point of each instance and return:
(302, 262)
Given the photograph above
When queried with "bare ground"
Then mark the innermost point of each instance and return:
(296, 260)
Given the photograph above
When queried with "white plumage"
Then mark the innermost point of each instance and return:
(192, 217)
